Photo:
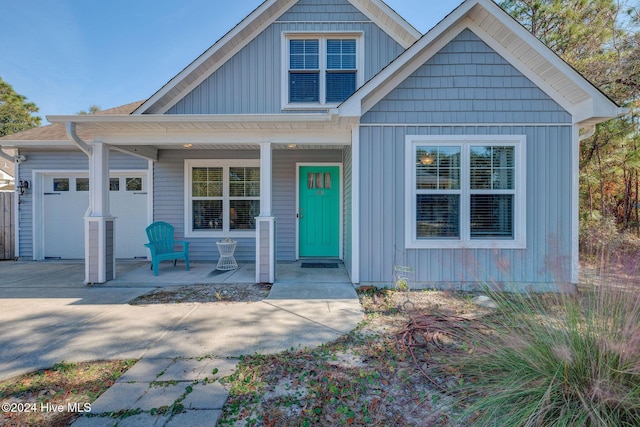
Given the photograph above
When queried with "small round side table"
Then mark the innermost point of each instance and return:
(226, 248)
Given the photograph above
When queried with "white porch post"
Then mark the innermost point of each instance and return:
(99, 232)
(265, 223)
(355, 205)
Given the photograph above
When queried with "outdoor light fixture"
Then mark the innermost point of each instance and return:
(22, 186)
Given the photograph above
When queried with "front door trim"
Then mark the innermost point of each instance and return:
(340, 208)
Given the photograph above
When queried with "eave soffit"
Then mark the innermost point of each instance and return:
(509, 39)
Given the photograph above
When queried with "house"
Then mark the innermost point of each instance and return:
(333, 129)
(6, 171)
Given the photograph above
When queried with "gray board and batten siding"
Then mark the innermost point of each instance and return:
(250, 82)
(467, 89)
(467, 82)
(75, 161)
(169, 197)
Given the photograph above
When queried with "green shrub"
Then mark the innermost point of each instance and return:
(555, 360)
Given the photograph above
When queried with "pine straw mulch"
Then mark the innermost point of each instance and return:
(226, 293)
(390, 371)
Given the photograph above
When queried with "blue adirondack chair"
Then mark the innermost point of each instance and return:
(163, 246)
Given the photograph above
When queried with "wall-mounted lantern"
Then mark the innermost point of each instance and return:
(22, 187)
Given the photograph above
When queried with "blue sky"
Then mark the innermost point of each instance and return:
(66, 55)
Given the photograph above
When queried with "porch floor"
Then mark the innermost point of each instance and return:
(138, 273)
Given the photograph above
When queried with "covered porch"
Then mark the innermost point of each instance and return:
(174, 145)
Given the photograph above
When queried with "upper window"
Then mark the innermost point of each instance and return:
(223, 197)
(321, 70)
(465, 192)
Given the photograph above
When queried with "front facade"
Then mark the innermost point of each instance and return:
(332, 129)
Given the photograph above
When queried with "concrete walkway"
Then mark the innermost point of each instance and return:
(48, 315)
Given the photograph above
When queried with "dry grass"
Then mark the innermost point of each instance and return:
(407, 364)
(368, 377)
(55, 397)
(560, 359)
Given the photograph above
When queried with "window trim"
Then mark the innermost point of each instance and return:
(225, 164)
(358, 36)
(465, 241)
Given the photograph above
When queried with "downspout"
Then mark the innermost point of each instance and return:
(82, 145)
(86, 149)
(577, 138)
(16, 207)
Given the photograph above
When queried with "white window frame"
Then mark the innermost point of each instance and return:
(358, 36)
(225, 164)
(519, 240)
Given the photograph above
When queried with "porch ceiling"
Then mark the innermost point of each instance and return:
(215, 131)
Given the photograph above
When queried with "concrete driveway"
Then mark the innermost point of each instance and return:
(48, 315)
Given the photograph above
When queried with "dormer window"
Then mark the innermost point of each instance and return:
(321, 70)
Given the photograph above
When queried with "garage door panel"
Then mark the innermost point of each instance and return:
(63, 236)
(66, 200)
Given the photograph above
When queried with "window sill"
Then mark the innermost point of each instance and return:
(248, 234)
(474, 244)
(309, 106)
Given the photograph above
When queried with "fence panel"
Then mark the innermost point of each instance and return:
(7, 226)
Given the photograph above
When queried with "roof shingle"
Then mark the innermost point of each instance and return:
(57, 131)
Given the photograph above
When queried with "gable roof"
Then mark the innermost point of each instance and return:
(512, 41)
(58, 132)
(249, 28)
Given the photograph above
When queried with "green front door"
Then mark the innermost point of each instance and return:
(319, 211)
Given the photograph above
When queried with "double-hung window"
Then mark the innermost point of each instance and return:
(222, 197)
(465, 191)
(321, 70)
(304, 70)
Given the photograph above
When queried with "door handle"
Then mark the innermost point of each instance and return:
(299, 214)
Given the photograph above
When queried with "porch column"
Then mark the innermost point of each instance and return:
(99, 230)
(265, 223)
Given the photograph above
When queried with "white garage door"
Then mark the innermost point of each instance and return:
(66, 198)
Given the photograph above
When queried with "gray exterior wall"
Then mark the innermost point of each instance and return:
(467, 82)
(250, 82)
(460, 89)
(59, 160)
(169, 197)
